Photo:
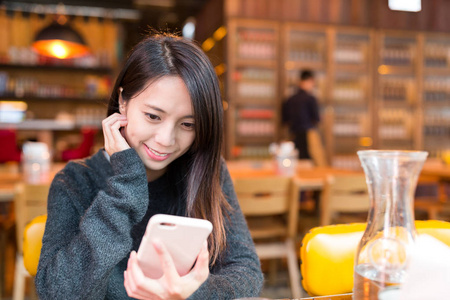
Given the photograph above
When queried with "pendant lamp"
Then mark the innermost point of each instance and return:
(60, 41)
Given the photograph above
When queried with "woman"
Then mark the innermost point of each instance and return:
(163, 137)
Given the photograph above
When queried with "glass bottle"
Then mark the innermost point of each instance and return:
(382, 254)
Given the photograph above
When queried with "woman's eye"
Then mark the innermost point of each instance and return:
(188, 125)
(153, 117)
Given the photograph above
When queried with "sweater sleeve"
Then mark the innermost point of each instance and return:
(82, 245)
(238, 272)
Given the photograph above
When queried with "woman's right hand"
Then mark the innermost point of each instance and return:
(171, 285)
(114, 141)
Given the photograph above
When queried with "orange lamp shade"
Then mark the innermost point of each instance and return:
(60, 41)
(60, 49)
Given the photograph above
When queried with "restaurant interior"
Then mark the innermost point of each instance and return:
(382, 82)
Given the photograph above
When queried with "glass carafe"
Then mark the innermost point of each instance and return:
(382, 255)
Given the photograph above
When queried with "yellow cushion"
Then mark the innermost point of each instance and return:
(328, 253)
(32, 243)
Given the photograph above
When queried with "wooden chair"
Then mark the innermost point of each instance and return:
(270, 205)
(328, 254)
(84, 149)
(430, 196)
(6, 229)
(316, 149)
(32, 243)
(344, 194)
(30, 201)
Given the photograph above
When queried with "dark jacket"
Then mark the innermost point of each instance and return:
(301, 112)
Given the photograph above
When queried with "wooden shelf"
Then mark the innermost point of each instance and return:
(46, 125)
(398, 104)
(294, 65)
(368, 78)
(54, 99)
(254, 140)
(352, 68)
(57, 68)
(444, 71)
(396, 70)
(257, 63)
(263, 102)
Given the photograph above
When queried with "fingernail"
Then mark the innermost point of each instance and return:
(157, 244)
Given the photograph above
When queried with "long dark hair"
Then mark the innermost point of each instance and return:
(162, 55)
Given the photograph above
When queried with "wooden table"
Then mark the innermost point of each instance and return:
(434, 167)
(10, 175)
(307, 177)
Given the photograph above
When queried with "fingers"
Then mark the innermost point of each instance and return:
(132, 277)
(114, 141)
(166, 260)
(201, 268)
(137, 284)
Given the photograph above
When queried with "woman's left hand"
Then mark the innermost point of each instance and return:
(170, 285)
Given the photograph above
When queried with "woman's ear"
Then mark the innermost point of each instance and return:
(122, 103)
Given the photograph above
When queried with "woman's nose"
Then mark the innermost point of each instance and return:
(165, 135)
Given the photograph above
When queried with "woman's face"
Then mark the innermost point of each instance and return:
(160, 124)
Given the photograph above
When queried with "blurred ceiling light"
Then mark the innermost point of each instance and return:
(406, 5)
(220, 69)
(220, 33)
(383, 70)
(61, 41)
(208, 44)
(365, 141)
(189, 28)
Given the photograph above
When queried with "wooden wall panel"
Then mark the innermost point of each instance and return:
(314, 8)
(432, 17)
(275, 10)
(290, 9)
(211, 17)
(5, 23)
(366, 13)
(335, 11)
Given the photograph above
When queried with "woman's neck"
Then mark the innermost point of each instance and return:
(152, 175)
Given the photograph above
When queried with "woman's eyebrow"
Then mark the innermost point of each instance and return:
(162, 111)
(155, 108)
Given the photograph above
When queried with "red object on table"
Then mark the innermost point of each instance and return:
(85, 147)
(8, 149)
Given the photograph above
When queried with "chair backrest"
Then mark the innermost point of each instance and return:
(328, 253)
(263, 196)
(267, 196)
(316, 149)
(32, 243)
(30, 201)
(343, 193)
(88, 140)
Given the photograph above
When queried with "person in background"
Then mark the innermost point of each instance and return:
(300, 113)
(163, 140)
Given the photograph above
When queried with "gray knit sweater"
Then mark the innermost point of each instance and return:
(97, 211)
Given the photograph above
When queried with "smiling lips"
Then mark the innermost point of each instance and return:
(155, 155)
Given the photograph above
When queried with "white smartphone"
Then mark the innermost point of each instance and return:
(182, 236)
